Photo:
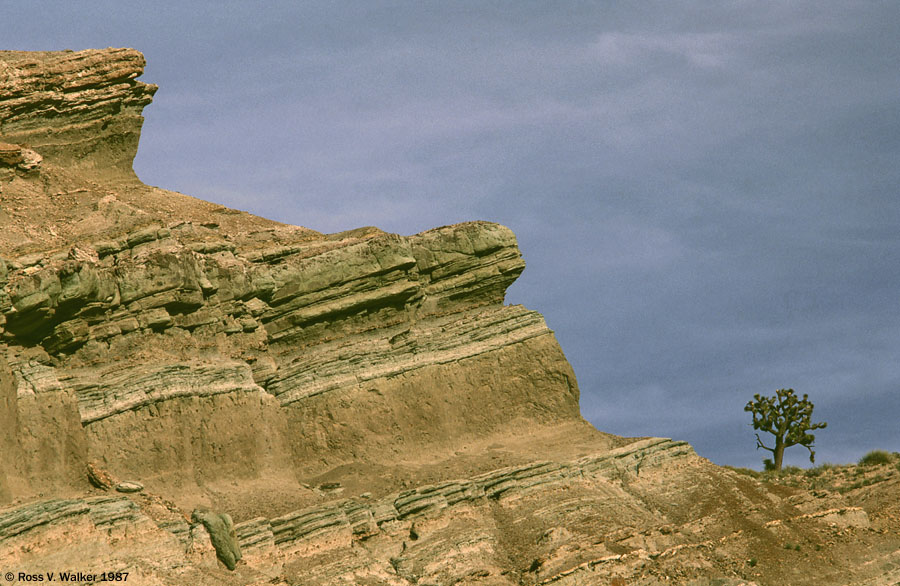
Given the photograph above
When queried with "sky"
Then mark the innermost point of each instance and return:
(705, 193)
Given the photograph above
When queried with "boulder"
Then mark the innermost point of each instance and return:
(222, 535)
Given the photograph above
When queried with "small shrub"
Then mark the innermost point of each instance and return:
(788, 546)
(797, 547)
(752, 562)
(876, 458)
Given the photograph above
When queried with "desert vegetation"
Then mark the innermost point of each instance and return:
(875, 467)
(789, 419)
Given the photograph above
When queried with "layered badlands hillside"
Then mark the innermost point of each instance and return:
(282, 406)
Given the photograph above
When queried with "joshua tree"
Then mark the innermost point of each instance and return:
(786, 417)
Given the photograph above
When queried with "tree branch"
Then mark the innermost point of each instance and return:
(759, 445)
(812, 453)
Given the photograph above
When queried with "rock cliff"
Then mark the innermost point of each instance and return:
(363, 405)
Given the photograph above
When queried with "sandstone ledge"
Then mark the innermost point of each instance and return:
(77, 108)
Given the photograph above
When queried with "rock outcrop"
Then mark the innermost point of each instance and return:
(77, 108)
(221, 534)
(362, 404)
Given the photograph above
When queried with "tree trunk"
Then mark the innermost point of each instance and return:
(779, 453)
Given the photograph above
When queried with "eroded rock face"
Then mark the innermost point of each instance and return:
(240, 351)
(52, 101)
(363, 405)
(372, 330)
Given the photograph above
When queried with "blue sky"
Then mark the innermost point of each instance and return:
(705, 193)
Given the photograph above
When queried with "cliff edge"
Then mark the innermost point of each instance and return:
(356, 408)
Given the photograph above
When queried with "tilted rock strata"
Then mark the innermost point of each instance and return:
(362, 404)
(360, 519)
(78, 108)
(156, 282)
(351, 316)
(603, 517)
(217, 352)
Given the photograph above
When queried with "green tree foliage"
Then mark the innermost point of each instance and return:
(786, 417)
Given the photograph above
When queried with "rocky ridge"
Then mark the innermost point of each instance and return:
(362, 404)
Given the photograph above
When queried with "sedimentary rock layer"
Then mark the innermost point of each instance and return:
(603, 518)
(168, 330)
(363, 405)
(78, 108)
